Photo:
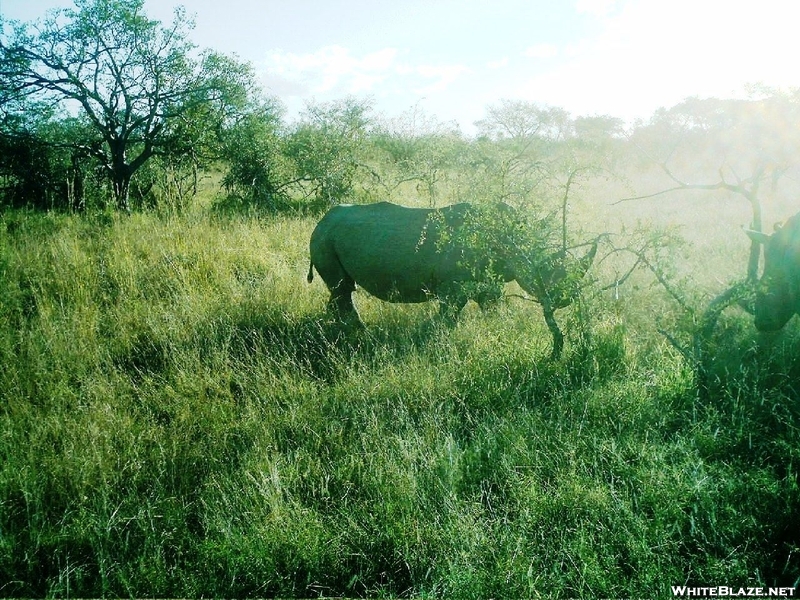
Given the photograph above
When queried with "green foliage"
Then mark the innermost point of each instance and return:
(38, 169)
(326, 148)
(417, 148)
(259, 172)
(140, 90)
(28, 169)
(177, 419)
(741, 133)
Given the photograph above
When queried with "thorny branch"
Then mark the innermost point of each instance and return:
(696, 351)
(746, 187)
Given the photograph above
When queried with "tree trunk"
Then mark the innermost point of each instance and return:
(756, 225)
(122, 186)
(75, 185)
(121, 172)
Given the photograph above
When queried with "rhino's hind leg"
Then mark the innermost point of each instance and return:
(341, 302)
(339, 283)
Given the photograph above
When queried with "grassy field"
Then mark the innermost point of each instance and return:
(178, 418)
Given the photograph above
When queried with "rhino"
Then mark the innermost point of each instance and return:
(778, 293)
(451, 254)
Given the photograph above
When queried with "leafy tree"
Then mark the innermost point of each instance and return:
(523, 121)
(25, 169)
(530, 154)
(36, 171)
(259, 173)
(136, 83)
(327, 146)
(418, 149)
(601, 139)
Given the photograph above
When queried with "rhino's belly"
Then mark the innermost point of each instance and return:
(392, 280)
(396, 285)
(398, 292)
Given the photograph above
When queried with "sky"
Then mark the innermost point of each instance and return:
(449, 59)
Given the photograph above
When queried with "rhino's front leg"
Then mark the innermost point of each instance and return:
(488, 295)
(558, 337)
(452, 300)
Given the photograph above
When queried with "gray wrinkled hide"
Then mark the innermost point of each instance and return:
(778, 296)
(392, 252)
(401, 254)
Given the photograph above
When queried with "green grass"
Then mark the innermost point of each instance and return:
(178, 418)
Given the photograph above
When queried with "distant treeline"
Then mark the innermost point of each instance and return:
(101, 107)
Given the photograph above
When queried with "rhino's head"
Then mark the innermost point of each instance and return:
(778, 292)
(775, 304)
(555, 279)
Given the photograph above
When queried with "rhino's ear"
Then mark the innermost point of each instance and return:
(757, 236)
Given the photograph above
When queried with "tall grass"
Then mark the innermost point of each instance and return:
(179, 418)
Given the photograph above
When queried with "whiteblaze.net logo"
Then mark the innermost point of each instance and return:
(724, 591)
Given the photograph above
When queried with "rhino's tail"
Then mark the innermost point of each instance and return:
(310, 277)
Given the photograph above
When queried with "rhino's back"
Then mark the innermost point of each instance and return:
(391, 251)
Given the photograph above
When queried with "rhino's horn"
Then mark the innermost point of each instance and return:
(757, 236)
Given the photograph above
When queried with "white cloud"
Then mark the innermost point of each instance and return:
(443, 75)
(380, 60)
(332, 68)
(541, 51)
(497, 64)
(650, 54)
(637, 56)
(594, 7)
